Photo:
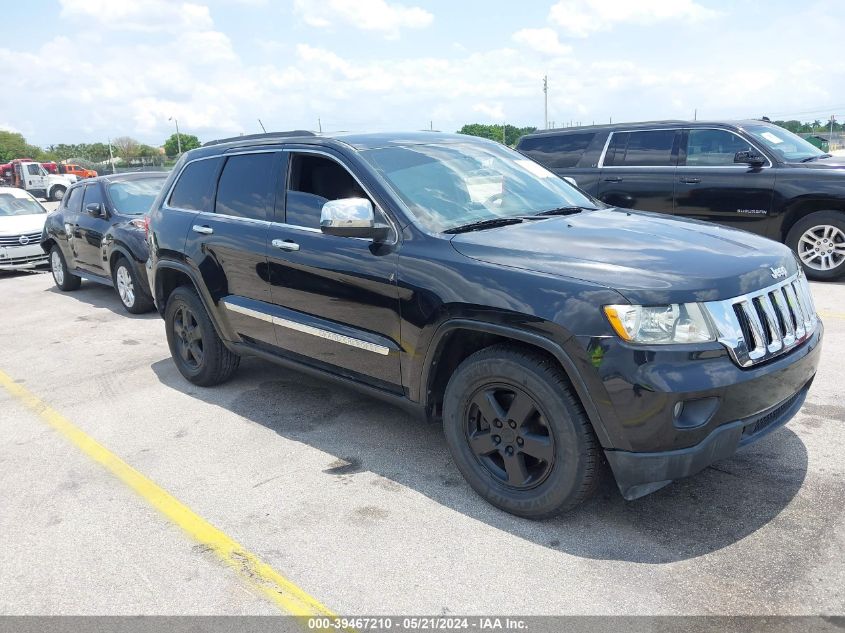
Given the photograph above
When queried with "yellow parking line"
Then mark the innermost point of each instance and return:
(825, 314)
(248, 566)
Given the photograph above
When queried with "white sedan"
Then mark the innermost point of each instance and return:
(21, 223)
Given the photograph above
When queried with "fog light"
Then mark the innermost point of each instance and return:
(689, 414)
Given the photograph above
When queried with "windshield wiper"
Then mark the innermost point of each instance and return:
(566, 210)
(810, 158)
(483, 224)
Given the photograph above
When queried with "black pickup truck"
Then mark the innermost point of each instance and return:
(454, 276)
(750, 175)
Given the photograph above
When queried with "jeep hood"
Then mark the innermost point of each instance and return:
(649, 258)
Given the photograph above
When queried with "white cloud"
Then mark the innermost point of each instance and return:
(581, 18)
(140, 15)
(368, 15)
(493, 112)
(543, 40)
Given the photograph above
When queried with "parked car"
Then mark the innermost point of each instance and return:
(21, 222)
(69, 169)
(98, 234)
(452, 275)
(749, 175)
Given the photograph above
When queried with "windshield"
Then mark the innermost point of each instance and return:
(13, 205)
(453, 184)
(787, 146)
(135, 197)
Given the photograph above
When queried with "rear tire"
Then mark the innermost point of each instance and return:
(819, 242)
(57, 193)
(198, 352)
(518, 434)
(131, 293)
(65, 280)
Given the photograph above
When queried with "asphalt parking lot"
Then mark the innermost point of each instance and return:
(359, 505)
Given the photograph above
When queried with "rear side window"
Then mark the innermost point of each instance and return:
(649, 148)
(246, 186)
(195, 186)
(73, 199)
(559, 151)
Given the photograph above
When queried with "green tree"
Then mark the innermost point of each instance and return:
(494, 132)
(13, 145)
(187, 141)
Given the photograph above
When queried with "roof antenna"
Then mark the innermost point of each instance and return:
(262, 126)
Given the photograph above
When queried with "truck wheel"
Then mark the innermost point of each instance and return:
(198, 352)
(131, 293)
(819, 241)
(518, 434)
(57, 193)
(65, 280)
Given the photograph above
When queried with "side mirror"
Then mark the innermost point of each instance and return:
(352, 217)
(749, 157)
(95, 209)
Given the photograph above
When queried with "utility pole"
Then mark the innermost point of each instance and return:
(832, 120)
(546, 100)
(695, 115)
(319, 125)
(111, 156)
(262, 126)
(504, 140)
(178, 137)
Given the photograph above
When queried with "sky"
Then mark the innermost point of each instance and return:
(85, 70)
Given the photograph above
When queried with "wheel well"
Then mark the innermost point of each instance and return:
(454, 348)
(48, 244)
(794, 215)
(167, 280)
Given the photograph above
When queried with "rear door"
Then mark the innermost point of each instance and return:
(227, 240)
(710, 186)
(87, 243)
(336, 298)
(638, 169)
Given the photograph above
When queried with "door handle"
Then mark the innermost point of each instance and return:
(613, 179)
(691, 181)
(285, 245)
(205, 230)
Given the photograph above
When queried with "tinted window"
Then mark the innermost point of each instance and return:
(33, 170)
(246, 186)
(73, 199)
(93, 193)
(711, 148)
(563, 150)
(195, 186)
(652, 148)
(313, 181)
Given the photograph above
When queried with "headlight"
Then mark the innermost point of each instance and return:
(657, 325)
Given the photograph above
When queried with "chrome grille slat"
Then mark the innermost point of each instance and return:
(14, 240)
(760, 325)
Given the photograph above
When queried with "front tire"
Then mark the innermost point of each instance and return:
(819, 242)
(518, 434)
(131, 293)
(198, 352)
(65, 280)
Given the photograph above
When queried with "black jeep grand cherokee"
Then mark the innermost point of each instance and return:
(465, 281)
(747, 174)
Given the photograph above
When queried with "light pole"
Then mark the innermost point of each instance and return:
(546, 100)
(178, 138)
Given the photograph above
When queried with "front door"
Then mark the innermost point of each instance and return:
(336, 297)
(87, 242)
(638, 170)
(710, 186)
(35, 178)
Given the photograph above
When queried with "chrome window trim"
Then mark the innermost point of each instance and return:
(308, 329)
(601, 164)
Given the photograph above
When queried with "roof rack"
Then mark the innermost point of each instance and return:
(255, 137)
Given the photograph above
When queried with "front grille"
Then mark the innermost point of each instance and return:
(18, 261)
(761, 325)
(773, 416)
(15, 240)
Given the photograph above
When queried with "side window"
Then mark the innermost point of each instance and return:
(313, 181)
(195, 187)
(559, 151)
(713, 148)
(73, 199)
(32, 169)
(649, 148)
(246, 186)
(93, 193)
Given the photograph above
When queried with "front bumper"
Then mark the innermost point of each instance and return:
(638, 474)
(22, 257)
